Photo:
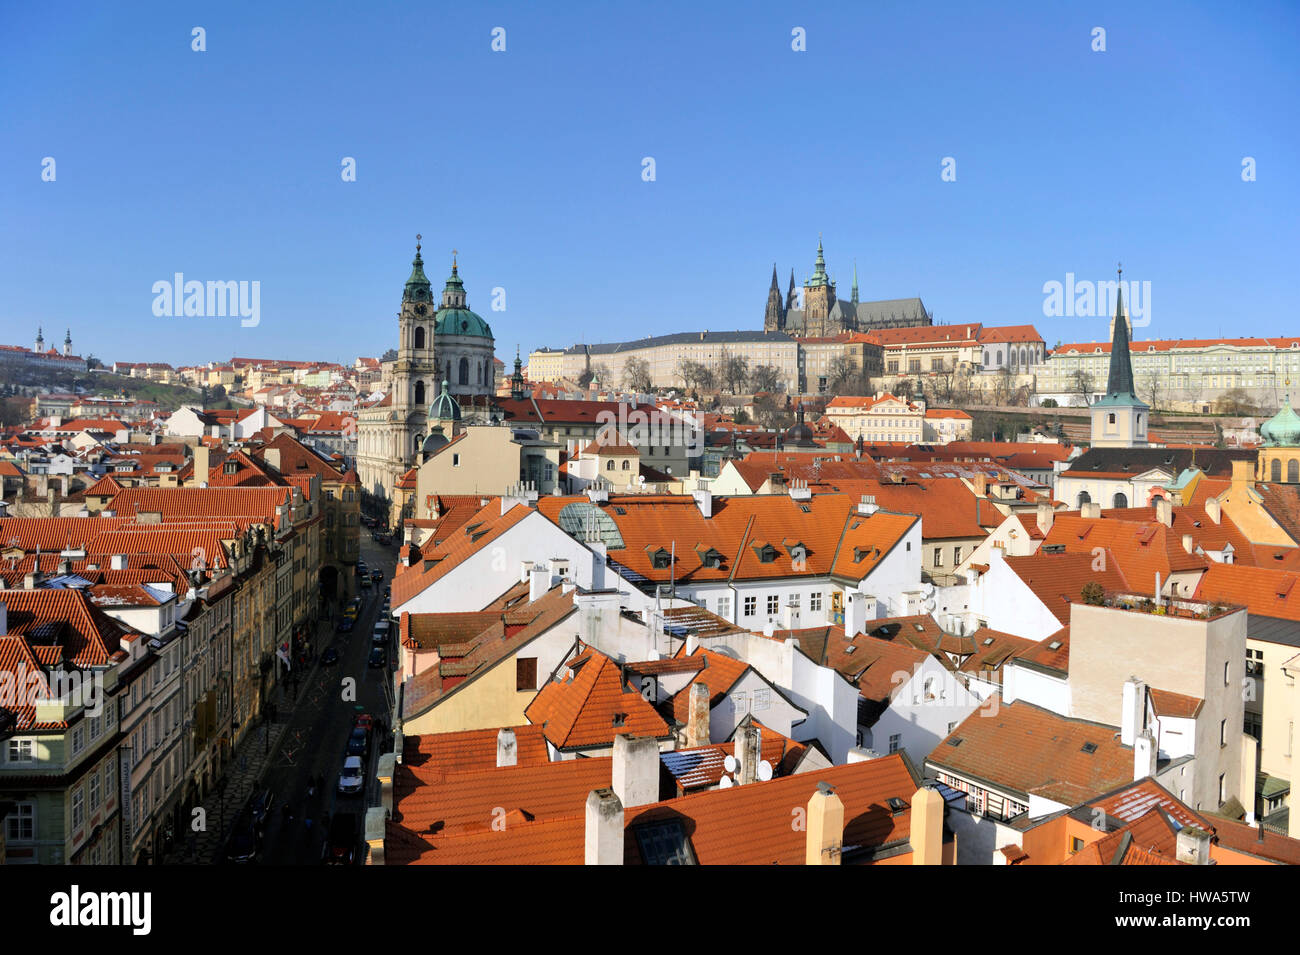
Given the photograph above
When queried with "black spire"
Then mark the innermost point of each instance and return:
(1120, 383)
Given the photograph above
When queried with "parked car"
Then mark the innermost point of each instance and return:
(358, 742)
(345, 829)
(345, 624)
(260, 807)
(353, 608)
(378, 657)
(364, 721)
(330, 656)
(245, 837)
(365, 583)
(380, 634)
(376, 575)
(352, 778)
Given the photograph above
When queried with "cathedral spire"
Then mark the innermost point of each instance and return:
(855, 282)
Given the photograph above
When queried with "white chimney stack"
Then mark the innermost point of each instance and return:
(635, 770)
(507, 748)
(1132, 711)
(604, 828)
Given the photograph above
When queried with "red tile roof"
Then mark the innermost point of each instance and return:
(589, 704)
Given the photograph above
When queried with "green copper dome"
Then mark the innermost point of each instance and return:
(444, 407)
(1283, 429)
(461, 321)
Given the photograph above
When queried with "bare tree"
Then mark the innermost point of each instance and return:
(732, 370)
(694, 374)
(1235, 401)
(1153, 390)
(1081, 384)
(765, 378)
(636, 375)
(772, 412)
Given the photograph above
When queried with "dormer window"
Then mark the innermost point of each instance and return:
(230, 467)
(662, 559)
(766, 553)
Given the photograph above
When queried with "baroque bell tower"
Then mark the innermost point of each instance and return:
(415, 371)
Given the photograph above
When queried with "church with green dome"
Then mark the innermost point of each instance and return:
(445, 360)
(1279, 458)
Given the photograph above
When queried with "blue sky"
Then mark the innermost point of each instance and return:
(225, 165)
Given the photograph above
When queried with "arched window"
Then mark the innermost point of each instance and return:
(1292, 471)
(464, 371)
(986, 358)
(609, 465)
(998, 356)
(419, 337)
(419, 392)
(1121, 500)
(627, 466)
(1084, 498)
(1275, 471)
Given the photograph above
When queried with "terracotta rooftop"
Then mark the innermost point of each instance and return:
(588, 704)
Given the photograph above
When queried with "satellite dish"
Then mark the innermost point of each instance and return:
(640, 479)
(730, 763)
(764, 770)
(725, 783)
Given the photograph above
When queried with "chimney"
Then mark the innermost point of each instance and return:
(202, 463)
(507, 751)
(1241, 473)
(868, 506)
(799, 491)
(604, 830)
(598, 560)
(748, 752)
(927, 827)
(1133, 710)
(697, 720)
(1091, 511)
(636, 770)
(1187, 543)
(1144, 755)
(981, 485)
(704, 501)
(825, 827)
(1193, 845)
(539, 582)
(272, 457)
(1046, 517)
(1212, 509)
(1164, 512)
(117, 562)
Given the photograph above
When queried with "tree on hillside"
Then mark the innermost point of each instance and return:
(732, 370)
(765, 378)
(1081, 384)
(1235, 401)
(636, 375)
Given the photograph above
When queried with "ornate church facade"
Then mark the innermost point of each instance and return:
(436, 345)
(823, 314)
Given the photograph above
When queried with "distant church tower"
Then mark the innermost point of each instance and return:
(818, 295)
(774, 316)
(40, 339)
(67, 342)
(1119, 420)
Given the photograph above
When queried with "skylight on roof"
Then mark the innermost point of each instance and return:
(1054, 645)
(988, 641)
